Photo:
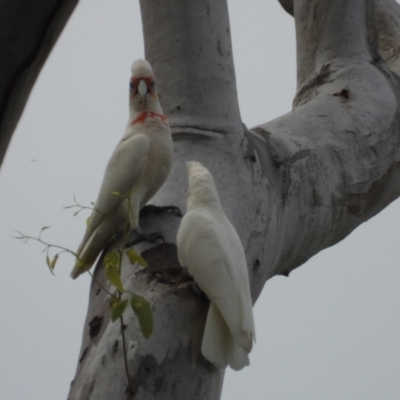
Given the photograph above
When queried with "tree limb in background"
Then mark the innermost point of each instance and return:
(29, 30)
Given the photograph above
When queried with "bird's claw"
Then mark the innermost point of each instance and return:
(152, 209)
(173, 210)
(142, 237)
(153, 237)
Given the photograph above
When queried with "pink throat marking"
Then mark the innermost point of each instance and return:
(147, 114)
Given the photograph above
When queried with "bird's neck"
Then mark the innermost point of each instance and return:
(142, 117)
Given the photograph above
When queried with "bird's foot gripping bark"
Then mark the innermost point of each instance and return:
(143, 237)
(152, 209)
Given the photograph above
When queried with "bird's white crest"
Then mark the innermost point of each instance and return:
(137, 168)
(141, 68)
(209, 246)
(201, 184)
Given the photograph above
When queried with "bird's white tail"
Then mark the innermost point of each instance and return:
(218, 345)
(194, 164)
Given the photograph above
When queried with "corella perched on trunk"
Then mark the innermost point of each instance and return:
(210, 248)
(137, 168)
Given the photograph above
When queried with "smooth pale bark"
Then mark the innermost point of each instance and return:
(29, 30)
(291, 187)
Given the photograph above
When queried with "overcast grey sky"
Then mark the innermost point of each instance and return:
(329, 331)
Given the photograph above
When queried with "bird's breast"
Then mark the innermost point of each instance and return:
(159, 158)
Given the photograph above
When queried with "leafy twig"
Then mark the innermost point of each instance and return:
(80, 206)
(113, 268)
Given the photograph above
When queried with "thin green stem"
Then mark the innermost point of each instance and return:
(40, 240)
(125, 354)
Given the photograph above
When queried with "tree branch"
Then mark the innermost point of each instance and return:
(189, 47)
(336, 154)
(287, 5)
(29, 31)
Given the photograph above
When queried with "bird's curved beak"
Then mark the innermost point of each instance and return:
(142, 91)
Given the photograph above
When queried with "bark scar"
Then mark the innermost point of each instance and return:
(164, 265)
(345, 93)
(95, 326)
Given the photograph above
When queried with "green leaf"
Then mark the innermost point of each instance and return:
(113, 301)
(44, 228)
(135, 257)
(141, 307)
(111, 262)
(53, 263)
(118, 309)
(49, 263)
(88, 222)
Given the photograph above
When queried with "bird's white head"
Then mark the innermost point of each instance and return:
(142, 88)
(202, 189)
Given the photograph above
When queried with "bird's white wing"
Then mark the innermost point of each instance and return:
(124, 168)
(204, 246)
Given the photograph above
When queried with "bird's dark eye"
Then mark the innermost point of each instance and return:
(131, 86)
(153, 84)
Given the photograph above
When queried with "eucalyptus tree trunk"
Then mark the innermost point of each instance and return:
(291, 187)
(28, 32)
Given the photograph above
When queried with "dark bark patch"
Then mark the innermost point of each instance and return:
(299, 156)
(129, 394)
(219, 48)
(83, 355)
(158, 384)
(164, 265)
(91, 388)
(275, 160)
(256, 264)
(115, 347)
(344, 93)
(95, 326)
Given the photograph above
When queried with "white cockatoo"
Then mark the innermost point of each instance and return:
(138, 167)
(209, 246)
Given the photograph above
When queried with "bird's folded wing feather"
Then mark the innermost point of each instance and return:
(204, 248)
(126, 165)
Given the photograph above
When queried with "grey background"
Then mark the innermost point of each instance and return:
(329, 331)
